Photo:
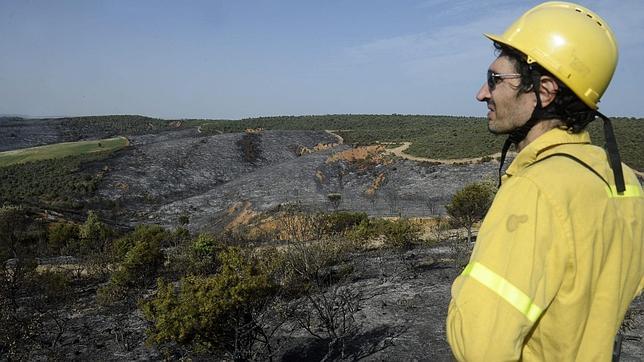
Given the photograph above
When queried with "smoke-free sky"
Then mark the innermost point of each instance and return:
(240, 58)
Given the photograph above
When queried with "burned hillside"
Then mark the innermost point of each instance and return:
(293, 219)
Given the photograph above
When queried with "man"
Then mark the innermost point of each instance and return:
(558, 258)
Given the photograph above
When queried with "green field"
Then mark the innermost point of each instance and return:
(60, 150)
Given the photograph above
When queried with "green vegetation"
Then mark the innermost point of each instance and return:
(62, 236)
(218, 313)
(229, 301)
(61, 150)
(139, 257)
(400, 233)
(20, 236)
(470, 204)
(58, 183)
(75, 128)
(431, 136)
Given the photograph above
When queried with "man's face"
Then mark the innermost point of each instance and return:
(509, 108)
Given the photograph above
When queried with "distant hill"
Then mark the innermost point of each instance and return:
(449, 137)
(445, 137)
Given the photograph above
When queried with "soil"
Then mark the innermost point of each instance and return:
(403, 317)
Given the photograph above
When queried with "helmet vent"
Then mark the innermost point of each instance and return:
(600, 24)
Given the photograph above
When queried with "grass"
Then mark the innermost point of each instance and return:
(61, 150)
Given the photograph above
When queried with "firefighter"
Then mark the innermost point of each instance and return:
(558, 258)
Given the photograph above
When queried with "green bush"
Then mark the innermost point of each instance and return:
(396, 233)
(150, 233)
(20, 235)
(340, 222)
(181, 234)
(202, 258)
(220, 313)
(139, 266)
(93, 236)
(400, 233)
(470, 204)
(61, 236)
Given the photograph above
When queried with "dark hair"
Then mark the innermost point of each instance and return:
(566, 106)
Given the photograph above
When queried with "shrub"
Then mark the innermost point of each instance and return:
(93, 235)
(13, 227)
(61, 236)
(470, 204)
(181, 234)
(202, 259)
(310, 265)
(149, 233)
(399, 233)
(340, 222)
(223, 313)
(30, 302)
(296, 224)
(140, 263)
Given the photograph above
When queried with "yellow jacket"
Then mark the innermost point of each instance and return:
(557, 261)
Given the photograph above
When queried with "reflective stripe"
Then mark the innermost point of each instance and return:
(504, 289)
(631, 191)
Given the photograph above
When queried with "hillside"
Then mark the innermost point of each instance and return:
(441, 137)
(179, 168)
(279, 210)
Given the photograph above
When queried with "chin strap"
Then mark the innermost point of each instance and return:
(613, 153)
(539, 113)
(611, 145)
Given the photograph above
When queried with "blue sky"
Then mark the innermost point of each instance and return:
(236, 59)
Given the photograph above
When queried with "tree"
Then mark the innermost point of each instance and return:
(139, 258)
(93, 234)
(12, 224)
(60, 235)
(470, 204)
(20, 234)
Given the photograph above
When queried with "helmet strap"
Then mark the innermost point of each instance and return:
(538, 114)
(613, 153)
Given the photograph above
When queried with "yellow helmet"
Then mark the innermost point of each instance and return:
(571, 42)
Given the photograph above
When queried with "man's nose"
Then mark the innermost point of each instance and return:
(484, 93)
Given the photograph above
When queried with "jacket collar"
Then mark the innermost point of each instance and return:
(533, 151)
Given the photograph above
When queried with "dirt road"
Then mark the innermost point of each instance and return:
(400, 152)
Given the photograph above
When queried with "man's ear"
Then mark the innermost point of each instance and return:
(548, 90)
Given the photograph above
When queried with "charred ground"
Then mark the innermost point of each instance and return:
(177, 174)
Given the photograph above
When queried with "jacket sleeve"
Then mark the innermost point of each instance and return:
(515, 270)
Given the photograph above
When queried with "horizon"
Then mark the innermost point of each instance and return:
(482, 117)
(230, 60)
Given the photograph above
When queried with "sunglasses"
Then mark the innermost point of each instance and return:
(495, 78)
